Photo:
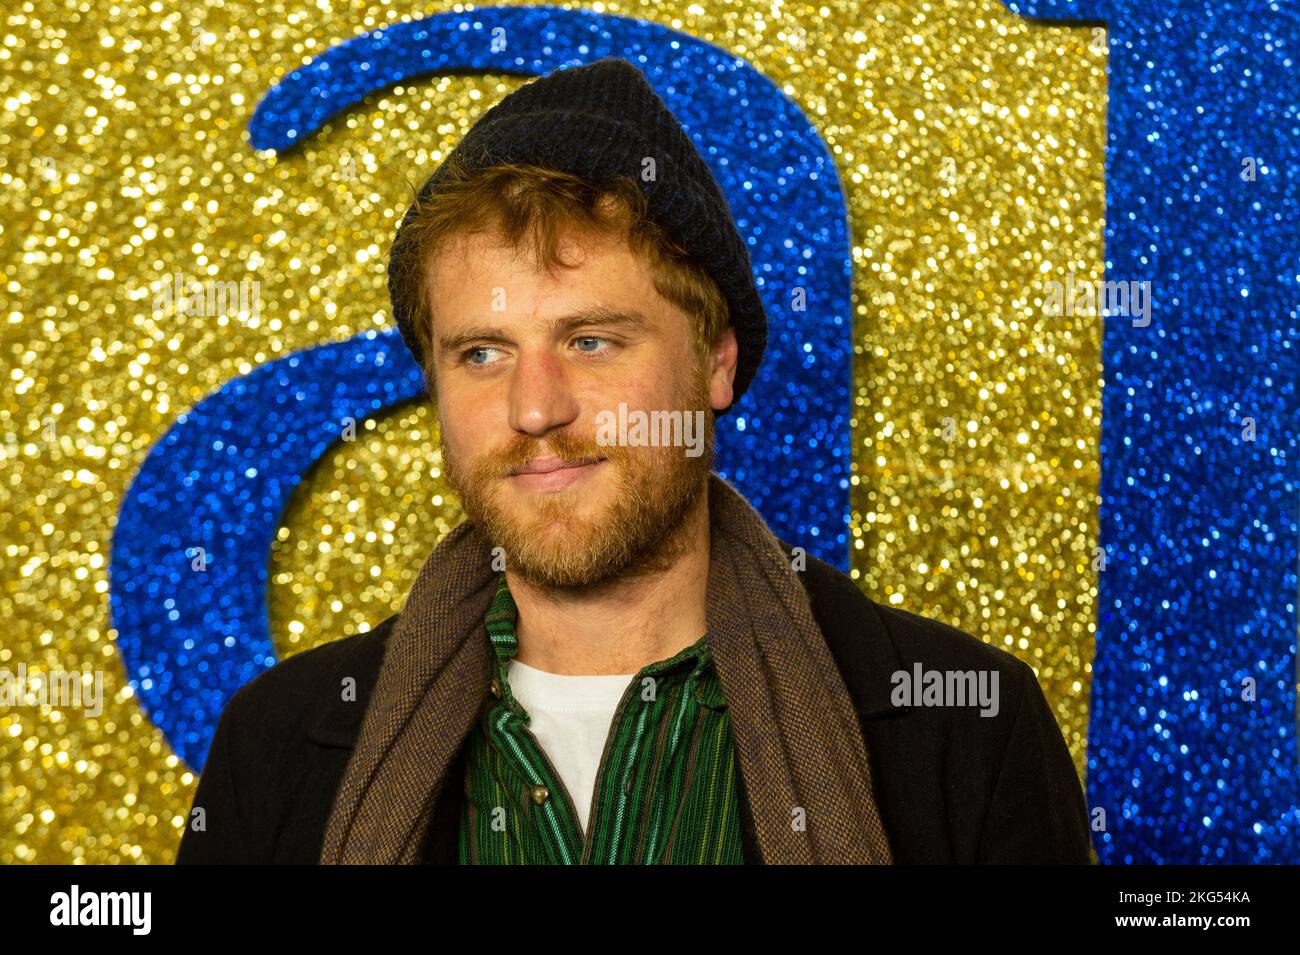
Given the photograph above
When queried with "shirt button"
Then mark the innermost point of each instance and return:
(539, 794)
(496, 688)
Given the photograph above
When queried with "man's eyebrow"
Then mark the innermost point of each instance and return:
(629, 319)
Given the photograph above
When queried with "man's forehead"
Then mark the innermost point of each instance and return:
(482, 281)
(486, 249)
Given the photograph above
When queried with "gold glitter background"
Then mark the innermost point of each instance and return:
(971, 146)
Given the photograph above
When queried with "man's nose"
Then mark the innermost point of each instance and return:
(541, 393)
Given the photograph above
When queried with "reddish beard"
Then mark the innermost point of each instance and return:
(557, 540)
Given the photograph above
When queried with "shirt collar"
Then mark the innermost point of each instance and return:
(502, 615)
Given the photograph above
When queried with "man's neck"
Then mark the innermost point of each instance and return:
(622, 627)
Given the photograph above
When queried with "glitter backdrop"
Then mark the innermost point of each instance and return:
(1193, 743)
(927, 424)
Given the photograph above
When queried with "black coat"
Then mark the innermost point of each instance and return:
(951, 786)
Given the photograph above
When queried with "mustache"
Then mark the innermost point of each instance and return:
(568, 448)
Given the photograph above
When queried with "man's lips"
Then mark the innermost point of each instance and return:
(551, 475)
(547, 465)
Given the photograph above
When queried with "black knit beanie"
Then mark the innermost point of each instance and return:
(598, 122)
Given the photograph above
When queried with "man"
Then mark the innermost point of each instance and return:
(613, 659)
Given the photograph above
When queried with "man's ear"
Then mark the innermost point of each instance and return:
(722, 369)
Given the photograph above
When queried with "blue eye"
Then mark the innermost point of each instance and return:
(590, 338)
(470, 351)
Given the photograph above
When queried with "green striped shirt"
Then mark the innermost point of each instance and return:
(665, 791)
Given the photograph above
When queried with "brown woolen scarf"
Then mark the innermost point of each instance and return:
(798, 741)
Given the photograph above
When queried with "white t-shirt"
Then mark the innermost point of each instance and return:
(571, 717)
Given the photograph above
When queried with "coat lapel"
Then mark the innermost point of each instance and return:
(858, 638)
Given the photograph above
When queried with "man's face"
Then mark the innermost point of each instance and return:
(525, 363)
